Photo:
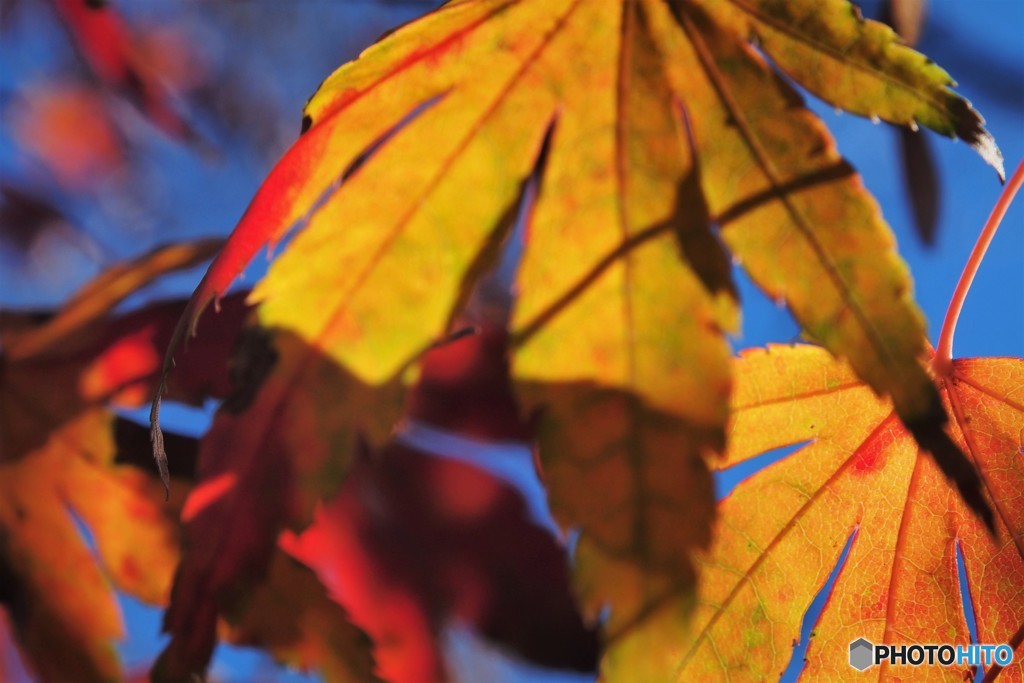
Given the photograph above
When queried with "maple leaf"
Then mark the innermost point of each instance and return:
(251, 482)
(58, 473)
(291, 616)
(859, 480)
(641, 125)
(417, 542)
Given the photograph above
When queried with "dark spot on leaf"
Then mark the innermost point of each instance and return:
(692, 223)
(869, 459)
(254, 358)
(307, 121)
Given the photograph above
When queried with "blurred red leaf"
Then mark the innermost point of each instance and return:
(68, 128)
(291, 616)
(464, 388)
(516, 592)
(108, 47)
(415, 542)
(252, 482)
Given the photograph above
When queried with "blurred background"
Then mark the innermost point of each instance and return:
(99, 165)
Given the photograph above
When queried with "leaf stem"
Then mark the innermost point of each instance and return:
(942, 364)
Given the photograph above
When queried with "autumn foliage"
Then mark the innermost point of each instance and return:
(512, 227)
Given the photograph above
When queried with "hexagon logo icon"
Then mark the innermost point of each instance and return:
(861, 654)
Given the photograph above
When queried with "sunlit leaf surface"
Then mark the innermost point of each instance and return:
(641, 142)
(860, 475)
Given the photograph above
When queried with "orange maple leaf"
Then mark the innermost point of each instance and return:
(860, 476)
(60, 465)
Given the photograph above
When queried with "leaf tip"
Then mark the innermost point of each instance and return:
(970, 127)
(156, 436)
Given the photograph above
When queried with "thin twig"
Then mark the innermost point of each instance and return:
(943, 361)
